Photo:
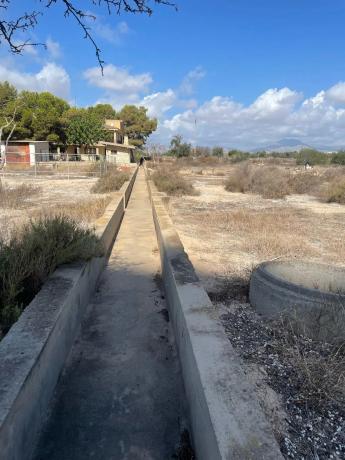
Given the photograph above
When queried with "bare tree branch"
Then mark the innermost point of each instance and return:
(28, 20)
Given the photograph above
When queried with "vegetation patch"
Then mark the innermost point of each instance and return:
(111, 181)
(172, 183)
(267, 181)
(335, 192)
(27, 259)
(83, 211)
(16, 197)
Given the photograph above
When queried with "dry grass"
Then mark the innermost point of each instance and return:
(84, 211)
(267, 181)
(321, 374)
(278, 182)
(110, 182)
(172, 183)
(265, 234)
(335, 192)
(16, 197)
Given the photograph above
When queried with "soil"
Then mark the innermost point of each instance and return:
(226, 235)
(51, 192)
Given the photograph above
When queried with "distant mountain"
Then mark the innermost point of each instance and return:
(284, 145)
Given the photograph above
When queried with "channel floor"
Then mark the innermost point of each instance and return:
(120, 396)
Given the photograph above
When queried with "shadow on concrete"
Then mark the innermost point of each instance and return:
(121, 394)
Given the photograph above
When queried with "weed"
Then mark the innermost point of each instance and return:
(27, 259)
(335, 192)
(15, 197)
(111, 181)
(172, 183)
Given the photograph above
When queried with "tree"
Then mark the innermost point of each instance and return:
(138, 126)
(41, 117)
(12, 30)
(312, 156)
(8, 115)
(8, 94)
(178, 148)
(338, 158)
(218, 152)
(103, 111)
(84, 128)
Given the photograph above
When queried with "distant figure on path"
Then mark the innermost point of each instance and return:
(141, 161)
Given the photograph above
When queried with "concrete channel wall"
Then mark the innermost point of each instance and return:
(226, 418)
(33, 352)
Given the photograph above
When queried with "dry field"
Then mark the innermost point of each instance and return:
(300, 384)
(48, 196)
(227, 234)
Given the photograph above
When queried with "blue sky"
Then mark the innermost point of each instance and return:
(239, 73)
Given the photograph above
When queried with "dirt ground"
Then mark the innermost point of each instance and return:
(226, 235)
(49, 195)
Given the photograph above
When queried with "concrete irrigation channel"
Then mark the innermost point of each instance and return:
(109, 363)
(310, 295)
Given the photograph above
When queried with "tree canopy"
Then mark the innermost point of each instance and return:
(178, 148)
(43, 116)
(138, 126)
(16, 28)
(84, 128)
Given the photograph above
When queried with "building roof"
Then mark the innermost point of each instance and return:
(115, 144)
(26, 141)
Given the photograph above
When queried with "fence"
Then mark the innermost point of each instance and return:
(53, 164)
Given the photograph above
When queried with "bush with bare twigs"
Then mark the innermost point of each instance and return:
(267, 181)
(111, 181)
(172, 182)
(335, 192)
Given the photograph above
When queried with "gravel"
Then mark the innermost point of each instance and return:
(315, 422)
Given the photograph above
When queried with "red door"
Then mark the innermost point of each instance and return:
(18, 154)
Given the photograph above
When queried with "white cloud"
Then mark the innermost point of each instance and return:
(276, 114)
(159, 103)
(112, 35)
(53, 48)
(189, 81)
(118, 80)
(51, 77)
(337, 93)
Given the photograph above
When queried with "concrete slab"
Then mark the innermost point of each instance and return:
(226, 419)
(121, 393)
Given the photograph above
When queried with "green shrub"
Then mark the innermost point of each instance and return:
(172, 183)
(338, 158)
(218, 152)
(313, 157)
(27, 260)
(237, 156)
(110, 182)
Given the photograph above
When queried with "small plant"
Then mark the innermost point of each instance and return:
(26, 260)
(110, 182)
(172, 183)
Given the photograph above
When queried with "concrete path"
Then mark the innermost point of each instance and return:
(121, 395)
